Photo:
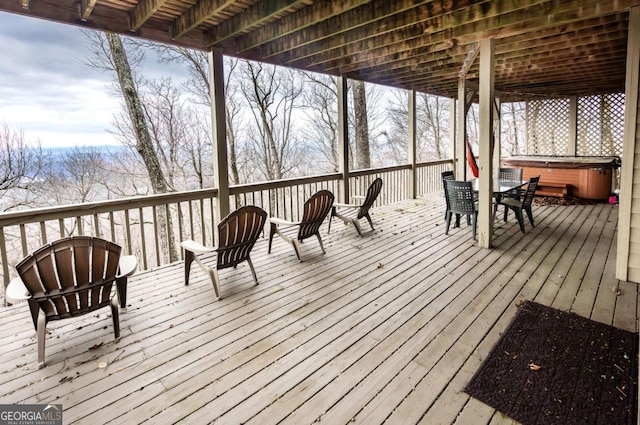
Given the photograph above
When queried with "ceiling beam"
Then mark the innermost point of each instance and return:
(379, 18)
(254, 16)
(143, 11)
(426, 53)
(86, 7)
(196, 15)
(302, 19)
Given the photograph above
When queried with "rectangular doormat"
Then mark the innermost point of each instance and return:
(552, 367)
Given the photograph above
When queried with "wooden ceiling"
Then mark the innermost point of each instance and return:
(543, 47)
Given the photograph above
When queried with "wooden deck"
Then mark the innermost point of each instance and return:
(384, 328)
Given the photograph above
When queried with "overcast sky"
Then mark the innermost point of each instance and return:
(46, 90)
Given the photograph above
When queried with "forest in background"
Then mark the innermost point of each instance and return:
(280, 123)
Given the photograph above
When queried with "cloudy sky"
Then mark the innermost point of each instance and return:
(46, 90)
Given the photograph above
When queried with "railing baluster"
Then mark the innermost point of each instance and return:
(128, 229)
(96, 225)
(143, 244)
(43, 233)
(23, 240)
(155, 234)
(5, 265)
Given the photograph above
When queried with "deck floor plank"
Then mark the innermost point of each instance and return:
(384, 328)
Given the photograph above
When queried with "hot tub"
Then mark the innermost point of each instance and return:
(586, 177)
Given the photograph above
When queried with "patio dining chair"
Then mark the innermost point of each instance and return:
(237, 234)
(446, 175)
(523, 204)
(511, 175)
(71, 277)
(352, 213)
(315, 211)
(460, 201)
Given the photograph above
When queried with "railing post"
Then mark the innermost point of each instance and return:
(221, 172)
(461, 137)
(452, 132)
(5, 266)
(343, 140)
(413, 181)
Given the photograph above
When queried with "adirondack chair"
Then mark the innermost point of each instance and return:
(315, 211)
(71, 277)
(237, 234)
(352, 213)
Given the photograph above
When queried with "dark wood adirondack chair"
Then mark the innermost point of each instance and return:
(237, 234)
(352, 213)
(523, 204)
(315, 211)
(71, 277)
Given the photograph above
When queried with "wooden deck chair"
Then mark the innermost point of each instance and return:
(352, 213)
(315, 211)
(71, 277)
(237, 233)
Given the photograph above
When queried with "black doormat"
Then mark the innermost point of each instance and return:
(552, 367)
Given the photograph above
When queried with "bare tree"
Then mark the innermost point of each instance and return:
(320, 131)
(20, 165)
(432, 125)
(108, 53)
(363, 156)
(272, 95)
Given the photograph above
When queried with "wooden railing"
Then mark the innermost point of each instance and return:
(151, 227)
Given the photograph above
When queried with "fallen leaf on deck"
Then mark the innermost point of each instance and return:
(534, 366)
(380, 265)
(96, 346)
(615, 290)
(102, 365)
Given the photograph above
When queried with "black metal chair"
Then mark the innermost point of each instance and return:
(524, 204)
(510, 175)
(460, 201)
(446, 175)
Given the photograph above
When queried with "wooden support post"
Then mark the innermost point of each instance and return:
(413, 180)
(497, 136)
(343, 140)
(220, 164)
(626, 258)
(461, 149)
(454, 154)
(485, 210)
(572, 149)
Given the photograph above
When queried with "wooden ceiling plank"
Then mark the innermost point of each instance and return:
(508, 24)
(256, 15)
(544, 37)
(299, 21)
(357, 24)
(143, 11)
(415, 24)
(196, 15)
(579, 47)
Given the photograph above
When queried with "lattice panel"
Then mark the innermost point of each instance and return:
(600, 124)
(548, 127)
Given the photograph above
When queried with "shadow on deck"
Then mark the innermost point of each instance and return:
(387, 327)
